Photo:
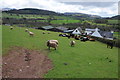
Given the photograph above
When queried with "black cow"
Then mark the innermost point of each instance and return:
(84, 39)
(110, 44)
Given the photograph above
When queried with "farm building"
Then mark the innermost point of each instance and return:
(77, 31)
(96, 33)
(89, 31)
(68, 31)
(107, 35)
(61, 29)
(103, 34)
(47, 28)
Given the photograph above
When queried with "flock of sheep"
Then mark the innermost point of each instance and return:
(50, 43)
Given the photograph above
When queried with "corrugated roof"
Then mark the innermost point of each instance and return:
(106, 34)
(62, 28)
(47, 27)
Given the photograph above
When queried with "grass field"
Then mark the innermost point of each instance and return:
(29, 16)
(64, 21)
(113, 21)
(85, 60)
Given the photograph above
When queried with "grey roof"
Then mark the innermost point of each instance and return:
(62, 28)
(47, 27)
(68, 31)
(80, 29)
(87, 29)
(106, 34)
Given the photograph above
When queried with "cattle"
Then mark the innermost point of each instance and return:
(72, 43)
(91, 39)
(52, 44)
(60, 34)
(77, 37)
(84, 39)
(110, 44)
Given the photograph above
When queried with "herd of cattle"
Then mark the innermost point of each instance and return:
(54, 43)
(78, 37)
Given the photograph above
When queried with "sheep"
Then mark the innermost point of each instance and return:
(26, 30)
(52, 44)
(43, 32)
(11, 28)
(72, 43)
(31, 33)
(56, 41)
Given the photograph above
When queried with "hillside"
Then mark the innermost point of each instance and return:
(32, 11)
(46, 12)
(68, 62)
(81, 15)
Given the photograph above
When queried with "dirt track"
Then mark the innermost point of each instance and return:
(16, 66)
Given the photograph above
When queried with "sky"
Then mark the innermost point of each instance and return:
(106, 8)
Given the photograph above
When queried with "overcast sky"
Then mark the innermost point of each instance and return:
(107, 8)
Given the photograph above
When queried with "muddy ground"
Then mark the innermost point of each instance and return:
(24, 63)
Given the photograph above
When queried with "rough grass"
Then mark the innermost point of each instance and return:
(85, 60)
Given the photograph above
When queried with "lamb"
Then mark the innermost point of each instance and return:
(11, 28)
(52, 44)
(26, 30)
(72, 43)
(31, 33)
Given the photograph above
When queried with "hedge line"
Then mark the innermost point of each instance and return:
(103, 40)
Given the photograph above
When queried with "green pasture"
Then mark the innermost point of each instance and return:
(64, 21)
(84, 60)
(29, 16)
(113, 21)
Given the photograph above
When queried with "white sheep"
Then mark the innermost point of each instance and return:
(26, 30)
(31, 33)
(72, 43)
(56, 41)
(52, 44)
(11, 28)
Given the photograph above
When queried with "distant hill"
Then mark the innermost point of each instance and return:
(46, 12)
(117, 17)
(82, 15)
(7, 9)
(33, 11)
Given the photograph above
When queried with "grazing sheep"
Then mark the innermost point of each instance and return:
(48, 32)
(31, 33)
(43, 32)
(72, 43)
(26, 30)
(11, 28)
(52, 44)
(56, 41)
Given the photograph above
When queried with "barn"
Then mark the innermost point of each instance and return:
(47, 27)
(97, 33)
(60, 29)
(90, 31)
(77, 31)
(103, 34)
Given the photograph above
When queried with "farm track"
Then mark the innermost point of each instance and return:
(16, 66)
